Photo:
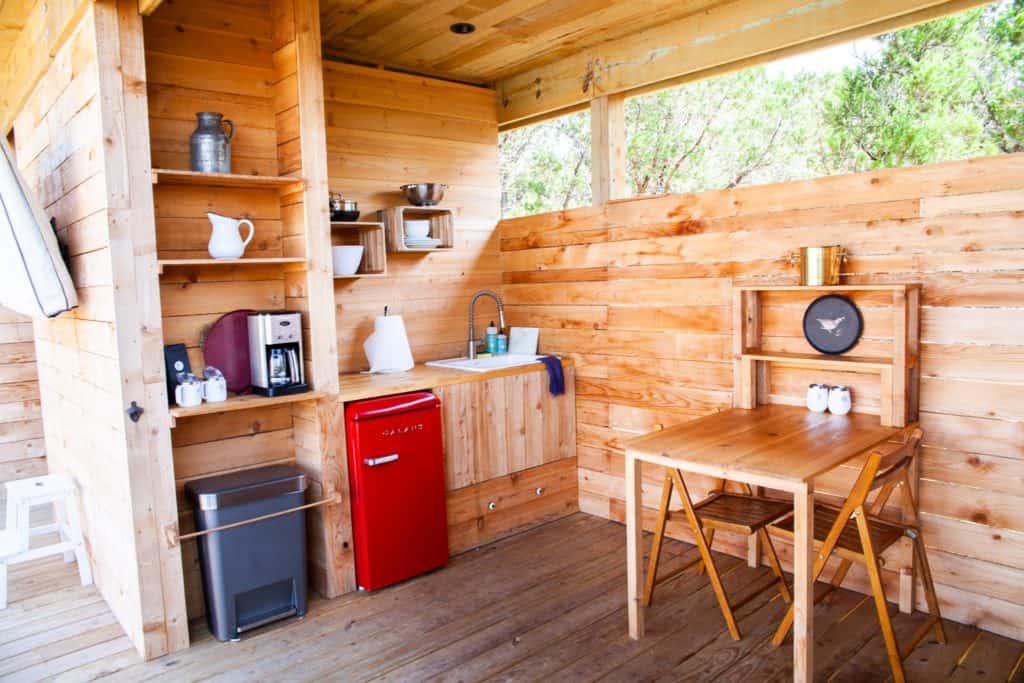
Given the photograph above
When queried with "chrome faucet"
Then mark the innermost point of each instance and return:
(472, 305)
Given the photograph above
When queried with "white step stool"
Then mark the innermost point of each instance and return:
(22, 496)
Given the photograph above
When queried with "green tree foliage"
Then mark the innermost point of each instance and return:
(949, 89)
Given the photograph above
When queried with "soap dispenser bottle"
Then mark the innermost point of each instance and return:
(491, 338)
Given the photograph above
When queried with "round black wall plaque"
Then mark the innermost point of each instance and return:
(833, 324)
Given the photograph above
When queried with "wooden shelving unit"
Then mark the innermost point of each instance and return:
(168, 176)
(204, 262)
(371, 236)
(442, 226)
(899, 374)
(242, 402)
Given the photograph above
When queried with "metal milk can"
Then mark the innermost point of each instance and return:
(210, 145)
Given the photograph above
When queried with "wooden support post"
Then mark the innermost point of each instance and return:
(608, 148)
(900, 335)
(803, 584)
(634, 549)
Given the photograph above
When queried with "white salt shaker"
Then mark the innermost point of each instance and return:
(817, 398)
(839, 400)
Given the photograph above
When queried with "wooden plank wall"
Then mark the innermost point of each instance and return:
(22, 452)
(638, 293)
(71, 150)
(385, 129)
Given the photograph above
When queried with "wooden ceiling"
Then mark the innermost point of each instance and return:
(13, 14)
(511, 35)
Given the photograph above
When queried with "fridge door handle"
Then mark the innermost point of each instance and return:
(382, 460)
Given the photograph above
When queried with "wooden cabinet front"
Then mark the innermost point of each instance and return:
(507, 424)
(510, 451)
(503, 506)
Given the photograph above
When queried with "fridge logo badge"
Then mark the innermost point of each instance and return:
(403, 430)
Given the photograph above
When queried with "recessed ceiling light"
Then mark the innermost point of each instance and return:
(462, 27)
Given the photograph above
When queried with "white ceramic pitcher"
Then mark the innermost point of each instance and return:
(226, 238)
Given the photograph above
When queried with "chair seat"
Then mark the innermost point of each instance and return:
(883, 534)
(740, 510)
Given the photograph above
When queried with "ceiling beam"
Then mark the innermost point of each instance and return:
(740, 32)
(147, 7)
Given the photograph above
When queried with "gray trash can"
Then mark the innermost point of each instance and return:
(255, 573)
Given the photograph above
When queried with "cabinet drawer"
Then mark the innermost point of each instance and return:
(503, 506)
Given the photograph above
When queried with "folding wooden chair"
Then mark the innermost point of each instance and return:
(742, 513)
(855, 533)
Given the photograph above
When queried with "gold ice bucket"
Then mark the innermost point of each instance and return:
(819, 266)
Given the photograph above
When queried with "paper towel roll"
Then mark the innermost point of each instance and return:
(387, 349)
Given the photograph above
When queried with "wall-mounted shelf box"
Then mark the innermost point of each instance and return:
(898, 373)
(241, 402)
(167, 176)
(442, 226)
(371, 236)
(204, 262)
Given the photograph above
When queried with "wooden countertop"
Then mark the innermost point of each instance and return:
(357, 386)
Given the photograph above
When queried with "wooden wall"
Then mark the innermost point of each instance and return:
(638, 293)
(385, 129)
(73, 147)
(21, 427)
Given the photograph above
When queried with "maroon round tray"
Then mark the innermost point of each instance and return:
(227, 348)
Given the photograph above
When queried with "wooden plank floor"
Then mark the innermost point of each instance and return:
(548, 604)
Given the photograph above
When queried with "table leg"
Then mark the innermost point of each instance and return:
(634, 549)
(803, 584)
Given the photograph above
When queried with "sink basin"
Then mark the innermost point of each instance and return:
(498, 362)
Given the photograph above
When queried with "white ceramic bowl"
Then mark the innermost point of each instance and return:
(417, 230)
(346, 259)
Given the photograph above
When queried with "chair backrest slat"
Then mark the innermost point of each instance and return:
(892, 465)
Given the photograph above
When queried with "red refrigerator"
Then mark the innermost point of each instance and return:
(396, 475)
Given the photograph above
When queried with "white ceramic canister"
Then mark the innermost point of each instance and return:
(215, 389)
(817, 398)
(839, 401)
(189, 393)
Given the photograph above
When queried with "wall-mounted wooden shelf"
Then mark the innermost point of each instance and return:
(442, 227)
(371, 236)
(827, 288)
(167, 176)
(899, 374)
(161, 264)
(242, 402)
(820, 361)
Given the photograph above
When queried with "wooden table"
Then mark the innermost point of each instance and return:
(780, 447)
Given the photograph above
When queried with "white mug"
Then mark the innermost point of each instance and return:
(215, 389)
(817, 398)
(188, 394)
(839, 401)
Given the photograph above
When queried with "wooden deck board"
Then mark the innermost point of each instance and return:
(548, 604)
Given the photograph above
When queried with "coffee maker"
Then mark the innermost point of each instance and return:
(275, 353)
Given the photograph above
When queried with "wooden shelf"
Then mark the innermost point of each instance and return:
(169, 176)
(185, 262)
(371, 236)
(819, 361)
(442, 227)
(898, 372)
(242, 402)
(827, 288)
(356, 225)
